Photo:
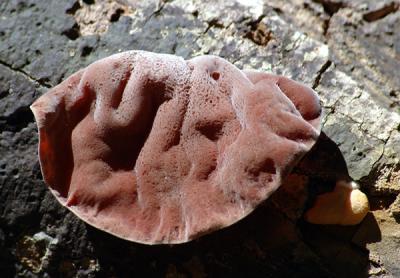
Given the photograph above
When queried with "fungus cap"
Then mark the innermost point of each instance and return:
(155, 149)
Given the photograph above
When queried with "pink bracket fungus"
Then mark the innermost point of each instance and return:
(155, 149)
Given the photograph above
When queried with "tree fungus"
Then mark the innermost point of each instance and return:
(155, 149)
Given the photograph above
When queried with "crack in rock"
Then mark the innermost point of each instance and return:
(322, 70)
(382, 12)
(27, 75)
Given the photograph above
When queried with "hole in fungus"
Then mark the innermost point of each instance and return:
(266, 168)
(211, 130)
(215, 75)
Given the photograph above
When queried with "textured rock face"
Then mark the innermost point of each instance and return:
(326, 44)
(156, 149)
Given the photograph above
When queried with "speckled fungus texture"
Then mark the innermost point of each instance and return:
(156, 149)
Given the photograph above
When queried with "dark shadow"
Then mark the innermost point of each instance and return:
(264, 244)
(342, 248)
(267, 243)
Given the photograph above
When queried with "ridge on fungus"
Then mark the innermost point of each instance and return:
(155, 149)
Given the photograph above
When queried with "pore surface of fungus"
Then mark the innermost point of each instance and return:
(155, 149)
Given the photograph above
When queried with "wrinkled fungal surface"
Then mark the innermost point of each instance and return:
(155, 149)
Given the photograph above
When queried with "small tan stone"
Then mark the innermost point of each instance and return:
(345, 205)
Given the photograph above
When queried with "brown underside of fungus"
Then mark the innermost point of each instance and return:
(155, 149)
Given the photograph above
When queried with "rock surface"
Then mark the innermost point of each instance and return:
(346, 50)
